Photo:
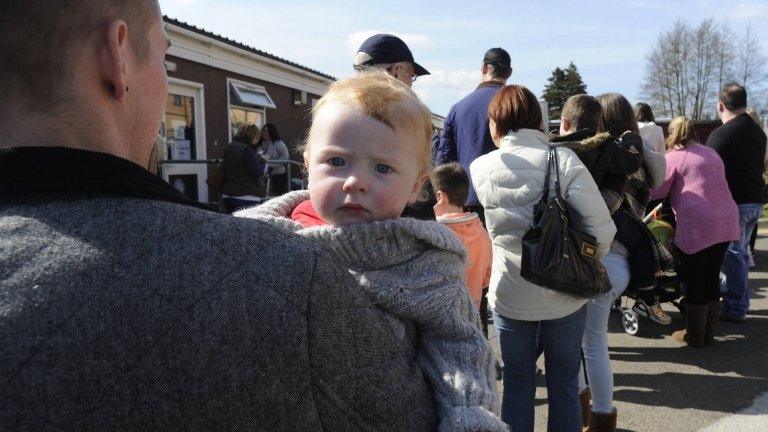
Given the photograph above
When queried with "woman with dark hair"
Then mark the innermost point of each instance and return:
(271, 147)
(243, 183)
(648, 129)
(633, 240)
(707, 221)
(508, 183)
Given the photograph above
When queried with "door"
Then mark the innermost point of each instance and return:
(183, 129)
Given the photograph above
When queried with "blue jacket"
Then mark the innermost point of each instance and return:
(466, 136)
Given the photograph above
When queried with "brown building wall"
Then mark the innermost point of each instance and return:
(291, 121)
(703, 128)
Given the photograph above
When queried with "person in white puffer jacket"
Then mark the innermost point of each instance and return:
(654, 144)
(509, 183)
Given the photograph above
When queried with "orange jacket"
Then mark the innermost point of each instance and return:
(470, 230)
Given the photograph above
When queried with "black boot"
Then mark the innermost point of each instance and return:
(713, 313)
(695, 323)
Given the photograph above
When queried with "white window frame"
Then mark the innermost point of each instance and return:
(230, 104)
(196, 91)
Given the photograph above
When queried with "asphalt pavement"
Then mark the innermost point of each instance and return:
(663, 386)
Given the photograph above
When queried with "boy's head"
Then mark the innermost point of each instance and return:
(580, 112)
(451, 184)
(368, 149)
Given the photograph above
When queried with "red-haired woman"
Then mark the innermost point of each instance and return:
(509, 183)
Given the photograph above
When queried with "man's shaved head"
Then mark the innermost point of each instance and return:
(41, 38)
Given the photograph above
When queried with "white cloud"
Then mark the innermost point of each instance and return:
(750, 11)
(444, 85)
(415, 41)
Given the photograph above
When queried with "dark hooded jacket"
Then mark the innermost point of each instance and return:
(608, 159)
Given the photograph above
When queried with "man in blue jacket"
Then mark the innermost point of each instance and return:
(466, 135)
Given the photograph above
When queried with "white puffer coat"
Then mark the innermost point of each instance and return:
(509, 183)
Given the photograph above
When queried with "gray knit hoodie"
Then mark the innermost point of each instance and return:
(414, 270)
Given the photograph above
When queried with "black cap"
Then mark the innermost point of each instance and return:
(498, 57)
(386, 49)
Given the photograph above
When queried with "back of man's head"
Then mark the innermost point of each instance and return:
(582, 111)
(41, 41)
(451, 180)
(499, 62)
(733, 97)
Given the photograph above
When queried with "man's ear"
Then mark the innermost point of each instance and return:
(566, 123)
(484, 69)
(113, 53)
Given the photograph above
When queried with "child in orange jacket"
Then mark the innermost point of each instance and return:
(451, 184)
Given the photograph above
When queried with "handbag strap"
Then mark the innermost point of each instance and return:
(556, 163)
(545, 194)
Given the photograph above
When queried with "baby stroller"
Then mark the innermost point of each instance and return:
(668, 289)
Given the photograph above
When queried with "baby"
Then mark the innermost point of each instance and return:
(367, 156)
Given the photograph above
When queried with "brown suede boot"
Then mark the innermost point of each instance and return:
(695, 322)
(585, 398)
(713, 313)
(600, 422)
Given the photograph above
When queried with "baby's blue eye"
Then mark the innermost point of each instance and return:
(336, 161)
(382, 169)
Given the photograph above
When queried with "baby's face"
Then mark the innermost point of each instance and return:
(360, 170)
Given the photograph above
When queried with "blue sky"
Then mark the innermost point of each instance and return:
(606, 39)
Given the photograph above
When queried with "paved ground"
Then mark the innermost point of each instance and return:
(660, 386)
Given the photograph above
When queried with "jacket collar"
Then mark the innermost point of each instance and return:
(485, 84)
(524, 137)
(51, 172)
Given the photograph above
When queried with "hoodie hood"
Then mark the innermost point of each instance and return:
(366, 246)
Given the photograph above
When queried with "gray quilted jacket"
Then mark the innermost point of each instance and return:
(413, 272)
(123, 314)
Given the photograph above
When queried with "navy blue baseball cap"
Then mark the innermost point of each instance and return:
(386, 49)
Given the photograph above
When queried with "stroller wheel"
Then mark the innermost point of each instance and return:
(630, 321)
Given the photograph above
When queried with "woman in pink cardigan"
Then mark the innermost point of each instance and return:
(707, 220)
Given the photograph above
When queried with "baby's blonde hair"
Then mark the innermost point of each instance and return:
(384, 98)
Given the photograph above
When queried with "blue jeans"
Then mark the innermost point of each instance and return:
(595, 343)
(736, 265)
(562, 359)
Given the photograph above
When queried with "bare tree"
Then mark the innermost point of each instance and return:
(687, 66)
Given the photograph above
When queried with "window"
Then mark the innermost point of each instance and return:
(250, 96)
(247, 104)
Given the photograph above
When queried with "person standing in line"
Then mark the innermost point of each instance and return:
(740, 142)
(451, 185)
(390, 54)
(126, 305)
(466, 135)
(707, 220)
(753, 239)
(654, 146)
(634, 240)
(610, 160)
(505, 181)
(243, 180)
(271, 147)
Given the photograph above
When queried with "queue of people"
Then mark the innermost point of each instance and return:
(326, 309)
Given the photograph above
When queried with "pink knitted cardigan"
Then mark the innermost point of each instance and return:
(699, 195)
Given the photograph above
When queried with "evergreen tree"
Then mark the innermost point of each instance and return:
(562, 85)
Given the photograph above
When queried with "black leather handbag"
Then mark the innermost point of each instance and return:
(557, 253)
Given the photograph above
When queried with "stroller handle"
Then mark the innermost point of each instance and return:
(649, 216)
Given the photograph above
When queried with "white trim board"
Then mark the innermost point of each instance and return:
(198, 48)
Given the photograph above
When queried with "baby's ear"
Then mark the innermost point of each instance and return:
(306, 159)
(416, 191)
